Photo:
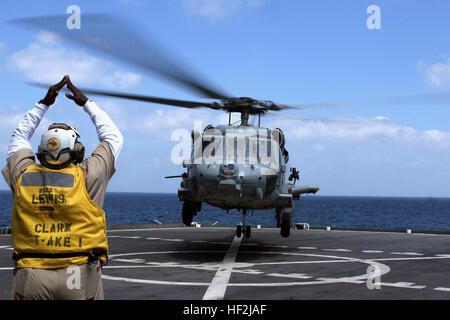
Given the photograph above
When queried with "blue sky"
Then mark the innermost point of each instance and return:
(290, 52)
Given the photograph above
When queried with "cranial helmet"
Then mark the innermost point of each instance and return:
(60, 147)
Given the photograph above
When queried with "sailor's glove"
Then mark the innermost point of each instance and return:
(78, 96)
(53, 91)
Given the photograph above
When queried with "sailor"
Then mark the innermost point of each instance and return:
(58, 225)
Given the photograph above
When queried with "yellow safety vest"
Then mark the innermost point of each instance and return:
(54, 222)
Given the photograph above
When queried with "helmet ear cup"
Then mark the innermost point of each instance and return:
(78, 152)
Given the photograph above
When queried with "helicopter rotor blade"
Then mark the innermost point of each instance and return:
(301, 118)
(111, 34)
(165, 101)
(411, 100)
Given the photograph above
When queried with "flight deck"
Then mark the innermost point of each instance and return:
(150, 262)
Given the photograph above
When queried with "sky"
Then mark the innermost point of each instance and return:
(291, 52)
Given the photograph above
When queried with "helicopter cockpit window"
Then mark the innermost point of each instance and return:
(260, 150)
(212, 146)
(237, 148)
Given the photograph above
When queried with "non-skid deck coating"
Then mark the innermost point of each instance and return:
(211, 263)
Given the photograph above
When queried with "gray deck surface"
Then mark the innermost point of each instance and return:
(183, 263)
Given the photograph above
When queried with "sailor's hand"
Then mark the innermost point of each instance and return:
(78, 96)
(53, 91)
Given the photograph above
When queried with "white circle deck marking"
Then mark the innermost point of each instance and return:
(384, 269)
(248, 268)
(407, 253)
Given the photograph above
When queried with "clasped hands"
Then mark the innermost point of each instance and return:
(77, 96)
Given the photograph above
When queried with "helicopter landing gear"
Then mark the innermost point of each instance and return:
(189, 211)
(238, 231)
(286, 222)
(247, 230)
(278, 216)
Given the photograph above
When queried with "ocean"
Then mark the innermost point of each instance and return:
(386, 213)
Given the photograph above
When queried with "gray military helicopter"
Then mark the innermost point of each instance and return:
(241, 167)
(232, 166)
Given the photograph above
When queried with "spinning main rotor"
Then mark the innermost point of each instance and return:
(113, 36)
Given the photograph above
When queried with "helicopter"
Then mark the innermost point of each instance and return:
(241, 167)
(231, 166)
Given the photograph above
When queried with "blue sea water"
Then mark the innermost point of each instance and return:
(388, 213)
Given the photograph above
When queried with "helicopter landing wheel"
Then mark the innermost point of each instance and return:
(238, 231)
(285, 224)
(188, 212)
(247, 231)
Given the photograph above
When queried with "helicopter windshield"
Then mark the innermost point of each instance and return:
(240, 146)
(212, 147)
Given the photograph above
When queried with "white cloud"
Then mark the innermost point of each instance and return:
(48, 38)
(381, 118)
(379, 130)
(218, 9)
(44, 60)
(121, 80)
(161, 122)
(437, 74)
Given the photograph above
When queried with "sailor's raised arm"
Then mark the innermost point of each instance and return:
(106, 129)
(25, 129)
